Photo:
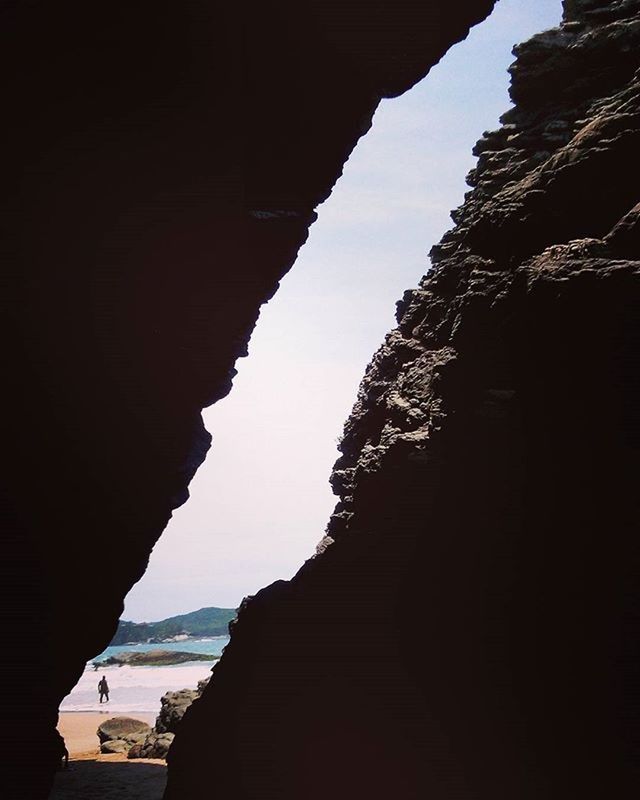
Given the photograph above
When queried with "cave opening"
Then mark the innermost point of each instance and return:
(261, 500)
(263, 485)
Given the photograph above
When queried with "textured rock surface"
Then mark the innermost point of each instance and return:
(120, 728)
(119, 734)
(468, 628)
(173, 706)
(116, 746)
(162, 169)
(156, 745)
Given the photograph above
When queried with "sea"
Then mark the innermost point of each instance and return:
(139, 689)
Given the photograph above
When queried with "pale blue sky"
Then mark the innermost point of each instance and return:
(261, 501)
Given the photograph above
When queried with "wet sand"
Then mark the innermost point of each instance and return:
(93, 776)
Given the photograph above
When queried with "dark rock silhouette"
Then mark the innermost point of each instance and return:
(162, 165)
(487, 518)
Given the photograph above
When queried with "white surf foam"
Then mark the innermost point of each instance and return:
(133, 688)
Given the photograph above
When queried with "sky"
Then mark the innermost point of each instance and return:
(261, 501)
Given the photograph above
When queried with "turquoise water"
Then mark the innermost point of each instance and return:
(213, 645)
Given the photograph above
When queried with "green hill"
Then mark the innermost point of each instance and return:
(204, 622)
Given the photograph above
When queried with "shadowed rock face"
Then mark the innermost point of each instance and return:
(163, 165)
(468, 628)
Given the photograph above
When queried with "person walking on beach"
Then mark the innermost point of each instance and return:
(103, 689)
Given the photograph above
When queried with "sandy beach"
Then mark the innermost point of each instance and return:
(79, 729)
(93, 776)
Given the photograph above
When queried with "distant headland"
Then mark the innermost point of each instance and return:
(194, 625)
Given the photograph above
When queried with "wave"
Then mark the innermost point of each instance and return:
(133, 689)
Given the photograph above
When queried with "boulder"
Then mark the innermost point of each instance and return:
(155, 743)
(121, 728)
(135, 751)
(135, 738)
(156, 746)
(173, 707)
(115, 746)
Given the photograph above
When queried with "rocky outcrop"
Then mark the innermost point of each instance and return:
(139, 740)
(116, 746)
(120, 734)
(173, 706)
(154, 658)
(163, 167)
(155, 745)
(157, 742)
(468, 628)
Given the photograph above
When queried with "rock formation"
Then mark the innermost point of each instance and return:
(163, 164)
(174, 705)
(120, 734)
(154, 658)
(157, 742)
(154, 745)
(468, 628)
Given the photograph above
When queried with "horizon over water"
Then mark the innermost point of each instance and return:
(139, 689)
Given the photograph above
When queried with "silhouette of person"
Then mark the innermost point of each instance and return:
(103, 689)
(61, 751)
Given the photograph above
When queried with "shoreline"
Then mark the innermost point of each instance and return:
(140, 713)
(133, 690)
